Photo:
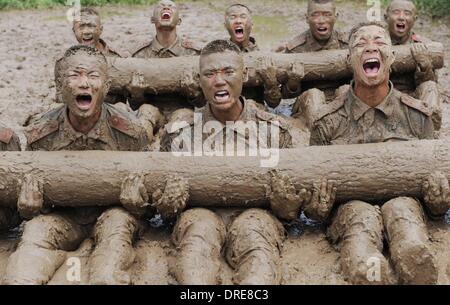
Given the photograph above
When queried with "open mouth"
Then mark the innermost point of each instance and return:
(372, 66)
(222, 96)
(84, 100)
(87, 40)
(166, 15)
(239, 32)
(400, 27)
(322, 30)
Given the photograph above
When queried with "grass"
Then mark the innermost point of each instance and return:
(435, 8)
(31, 4)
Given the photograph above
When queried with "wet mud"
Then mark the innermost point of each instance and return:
(35, 39)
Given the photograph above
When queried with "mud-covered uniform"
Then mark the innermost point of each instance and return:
(251, 47)
(358, 227)
(9, 141)
(181, 47)
(252, 238)
(252, 112)
(38, 255)
(421, 84)
(306, 43)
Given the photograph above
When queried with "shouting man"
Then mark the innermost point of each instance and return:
(251, 239)
(167, 43)
(83, 122)
(374, 111)
(401, 16)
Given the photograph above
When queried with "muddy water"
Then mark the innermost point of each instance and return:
(30, 42)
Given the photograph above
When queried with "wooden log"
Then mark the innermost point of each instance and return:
(371, 172)
(136, 77)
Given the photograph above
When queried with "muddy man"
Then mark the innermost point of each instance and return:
(239, 24)
(373, 111)
(401, 16)
(83, 122)
(9, 141)
(251, 239)
(167, 43)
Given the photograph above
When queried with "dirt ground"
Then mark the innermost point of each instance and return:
(31, 41)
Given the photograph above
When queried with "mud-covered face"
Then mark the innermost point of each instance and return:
(221, 78)
(321, 19)
(400, 18)
(371, 55)
(166, 15)
(88, 29)
(239, 24)
(84, 84)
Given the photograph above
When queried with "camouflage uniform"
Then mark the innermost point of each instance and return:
(65, 228)
(421, 84)
(111, 51)
(115, 130)
(153, 49)
(306, 42)
(9, 141)
(252, 238)
(252, 46)
(252, 112)
(347, 120)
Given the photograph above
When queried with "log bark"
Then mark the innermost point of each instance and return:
(370, 172)
(137, 77)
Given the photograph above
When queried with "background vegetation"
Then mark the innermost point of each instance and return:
(435, 8)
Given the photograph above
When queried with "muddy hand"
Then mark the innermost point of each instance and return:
(133, 195)
(268, 74)
(436, 193)
(31, 197)
(292, 78)
(322, 200)
(422, 56)
(173, 200)
(284, 200)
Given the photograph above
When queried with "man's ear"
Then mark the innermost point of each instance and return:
(348, 60)
(153, 19)
(101, 29)
(179, 21)
(385, 16)
(245, 75)
(107, 85)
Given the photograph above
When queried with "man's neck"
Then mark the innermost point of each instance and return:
(83, 125)
(401, 40)
(166, 38)
(230, 115)
(244, 44)
(372, 96)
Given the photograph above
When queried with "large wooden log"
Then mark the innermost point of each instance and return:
(371, 172)
(136, 77)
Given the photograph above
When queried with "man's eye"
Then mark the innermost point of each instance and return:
(208, 74)
(229, 72)
(244, 16)
(328, 14)
(94, 75)
(315, 14)
(407, 13)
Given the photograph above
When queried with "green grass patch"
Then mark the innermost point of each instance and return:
(32, 4)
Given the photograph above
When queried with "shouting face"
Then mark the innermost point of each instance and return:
(221, 78)
(88, 29)
(400, 17)
(84, 84)
(238, 23)
(166, 15)
(321, 19)
(371, 55)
